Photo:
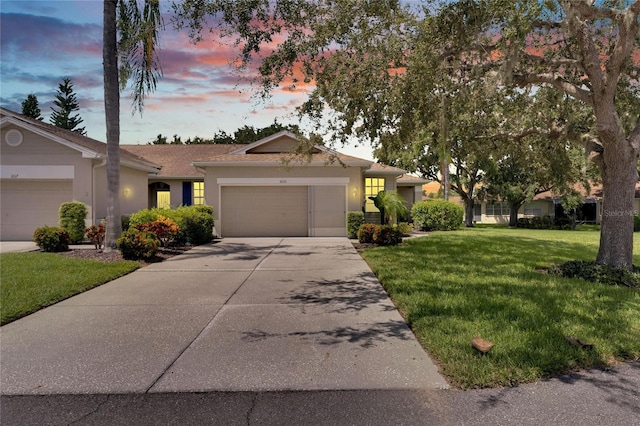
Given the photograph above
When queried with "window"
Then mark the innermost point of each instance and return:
(163, 199)
(371, 188)
(497, 209)
(532, 210)
(198, 193)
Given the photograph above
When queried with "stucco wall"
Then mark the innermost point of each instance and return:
(133, 191)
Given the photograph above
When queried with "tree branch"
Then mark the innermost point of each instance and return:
(557, 81)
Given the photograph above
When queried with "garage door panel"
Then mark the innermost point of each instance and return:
(264, 211)
(329, 207)
(27, 205)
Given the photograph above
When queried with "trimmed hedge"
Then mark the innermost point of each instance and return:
(546, 222)
(72, 216)
(52, 238)
(437, 215)
(603, 274)
(354, 221)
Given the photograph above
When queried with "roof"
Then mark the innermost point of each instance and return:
(383, 169)
(594, 193)
(176, 160)
(90, 148)
(284, 159)
(409, 180)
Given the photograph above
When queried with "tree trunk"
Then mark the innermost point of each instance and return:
(112, 118)
(468, 212)
(513, 214)
(619, 176)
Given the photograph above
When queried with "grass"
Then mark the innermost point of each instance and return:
(31, 281)
(453, 286)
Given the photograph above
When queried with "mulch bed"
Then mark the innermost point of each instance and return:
(115, 256)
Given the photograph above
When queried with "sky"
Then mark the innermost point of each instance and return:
(44, 41)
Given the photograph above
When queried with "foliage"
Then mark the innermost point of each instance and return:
(365, 233)
(636, 223)
(135, 245)
(164, 228)
(31, 108)
(382, 235)
(391, 205)
(546, 222)
(31, 281)
(195, 222)
(486, 282)
(66, 104)
(52, 238)
(96, 234)
(354, 221)
(603, 274)
(437, 215)
(72, 216)
(124, 220)
(404, 228)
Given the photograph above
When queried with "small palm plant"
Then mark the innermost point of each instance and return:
(391, 205)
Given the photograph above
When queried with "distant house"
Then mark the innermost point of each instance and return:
(260, 189)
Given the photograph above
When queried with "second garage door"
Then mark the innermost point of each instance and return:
(27, 205)
(264, 211)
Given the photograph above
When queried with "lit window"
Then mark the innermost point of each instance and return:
(372, 186)
(198, 193)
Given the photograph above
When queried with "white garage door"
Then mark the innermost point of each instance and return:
(264, 211)
(328, 211)
(27, 205)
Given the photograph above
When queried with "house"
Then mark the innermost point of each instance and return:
(42, 166)
(260, 189)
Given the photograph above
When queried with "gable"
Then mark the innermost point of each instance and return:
(282, 144)
(34, 149)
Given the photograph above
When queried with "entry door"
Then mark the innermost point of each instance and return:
(163, 199)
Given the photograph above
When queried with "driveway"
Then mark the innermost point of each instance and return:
(267, 314)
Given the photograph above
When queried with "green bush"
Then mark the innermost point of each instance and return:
(124, 220)
(134, 244)
(365, 233)
(195, 222)
(591, 271)
(52, 238)
(354, 221)
(636, 223)
(404, 228)
(437, 215)
(386, 235)
(546, 222)
(72, 217)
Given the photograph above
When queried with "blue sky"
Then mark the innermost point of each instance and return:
(42, 42)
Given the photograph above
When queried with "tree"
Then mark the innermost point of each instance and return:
(366, 57)
(30, 107)
(136, 52)
(391, 206)
(66, 103)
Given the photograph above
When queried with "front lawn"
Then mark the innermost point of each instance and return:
(453, 286)
(31, 281)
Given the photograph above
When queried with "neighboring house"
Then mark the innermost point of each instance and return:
(42, 166)
(545, 204)
(260, 189)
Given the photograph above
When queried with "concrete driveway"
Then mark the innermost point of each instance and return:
(238, 315)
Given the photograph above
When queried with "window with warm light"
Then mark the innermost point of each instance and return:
(372, 186)
(198, 193)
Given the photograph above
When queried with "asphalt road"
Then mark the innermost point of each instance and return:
(597, 397)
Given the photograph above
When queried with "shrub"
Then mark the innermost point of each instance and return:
(124, 220)
(636, 223)
(135, 244)
(354, 221)
(365, 233)
(195, 222)
(437, 215)
(96, 234)
(404, 228)
(386, 235)
(52, 238)
(546, 222)
(604, 274)
(165, 229)
(72, 217)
